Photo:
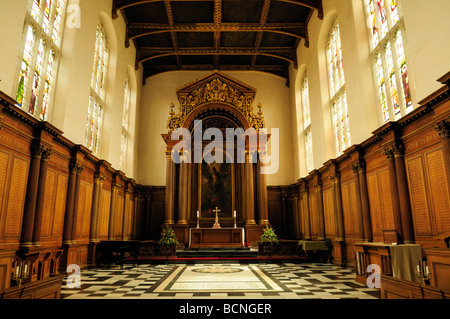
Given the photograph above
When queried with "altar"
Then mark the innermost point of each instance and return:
(216, 237)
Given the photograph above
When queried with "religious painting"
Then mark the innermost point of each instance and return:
(216, 189)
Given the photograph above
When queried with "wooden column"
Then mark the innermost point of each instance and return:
(262, 193)
(443, 128)
(170, 189)
(321, 216)
(244, 191)
(403, 193)
(98, 185)
(250, 199)
(31, 195)
(390, 154)
(79, 170)
(367, 221)
(355, 168)
(183, 193)
(68, 217)
(189, 191)
(45, 155)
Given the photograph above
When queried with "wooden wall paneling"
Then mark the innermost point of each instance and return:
(313, 213)
(6, 260)
(274, 206)
(60, 205)
(157, 213)
(419, 202)
(387, 212)
(105, 202)
(119, 217)
(329, 214)
(375, 207)
(14, 197)
(438, 190)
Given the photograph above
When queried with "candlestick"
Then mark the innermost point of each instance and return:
(198, 221)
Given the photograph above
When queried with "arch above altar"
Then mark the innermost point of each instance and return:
(219, 102)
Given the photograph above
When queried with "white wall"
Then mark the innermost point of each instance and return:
(160, 91)
(68, 112)
(12, 15)
(427, 47)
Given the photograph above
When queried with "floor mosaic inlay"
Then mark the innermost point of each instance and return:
(220, 281)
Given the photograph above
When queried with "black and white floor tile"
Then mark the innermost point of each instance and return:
(220, 281)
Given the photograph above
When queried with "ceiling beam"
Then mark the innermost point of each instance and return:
(280, 71)
(217, 22)
(173, 34)
(262, 22)
(150, 54)
(297, 30)
(312, 4)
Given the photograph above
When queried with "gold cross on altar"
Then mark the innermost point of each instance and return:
(216, 224)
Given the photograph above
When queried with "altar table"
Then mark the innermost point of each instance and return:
(216, 237)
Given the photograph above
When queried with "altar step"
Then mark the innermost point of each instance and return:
(217, 253)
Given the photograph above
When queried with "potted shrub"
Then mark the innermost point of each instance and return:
(168, 241)
(268, 241)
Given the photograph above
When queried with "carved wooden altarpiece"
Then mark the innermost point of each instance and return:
(220, 102)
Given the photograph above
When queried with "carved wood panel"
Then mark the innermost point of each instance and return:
(16, 198)
(314, 218)
(438, 190)
(84, 210)
(105, 200)
(418, 192)
(119, 217)
(330, 221)
(60, 206)
(349, 209)
(380, 201)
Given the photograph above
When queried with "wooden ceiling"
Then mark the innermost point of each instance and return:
(260, 35)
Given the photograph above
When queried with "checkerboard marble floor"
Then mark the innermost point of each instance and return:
(205, 281)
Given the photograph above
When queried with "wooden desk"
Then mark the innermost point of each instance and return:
(216, 237)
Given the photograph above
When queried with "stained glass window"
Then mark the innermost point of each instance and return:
(97, 96)
(373, 23)
(389, 58)
(338, 95)
(125, 124)
(40, 56)
(307, 124)
(335, 64)
(26, 65)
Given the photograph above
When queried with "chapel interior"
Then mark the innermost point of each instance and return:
(352, 97)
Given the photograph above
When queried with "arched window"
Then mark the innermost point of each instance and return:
(338, 96)
(307, 125)
(43, 31)
(389, 59)
(125, 126)
(98, 89)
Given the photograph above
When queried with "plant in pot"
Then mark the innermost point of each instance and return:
(268, 241)
(168, 241)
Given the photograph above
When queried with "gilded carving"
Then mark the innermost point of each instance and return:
(216, 89)
(443, 128)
